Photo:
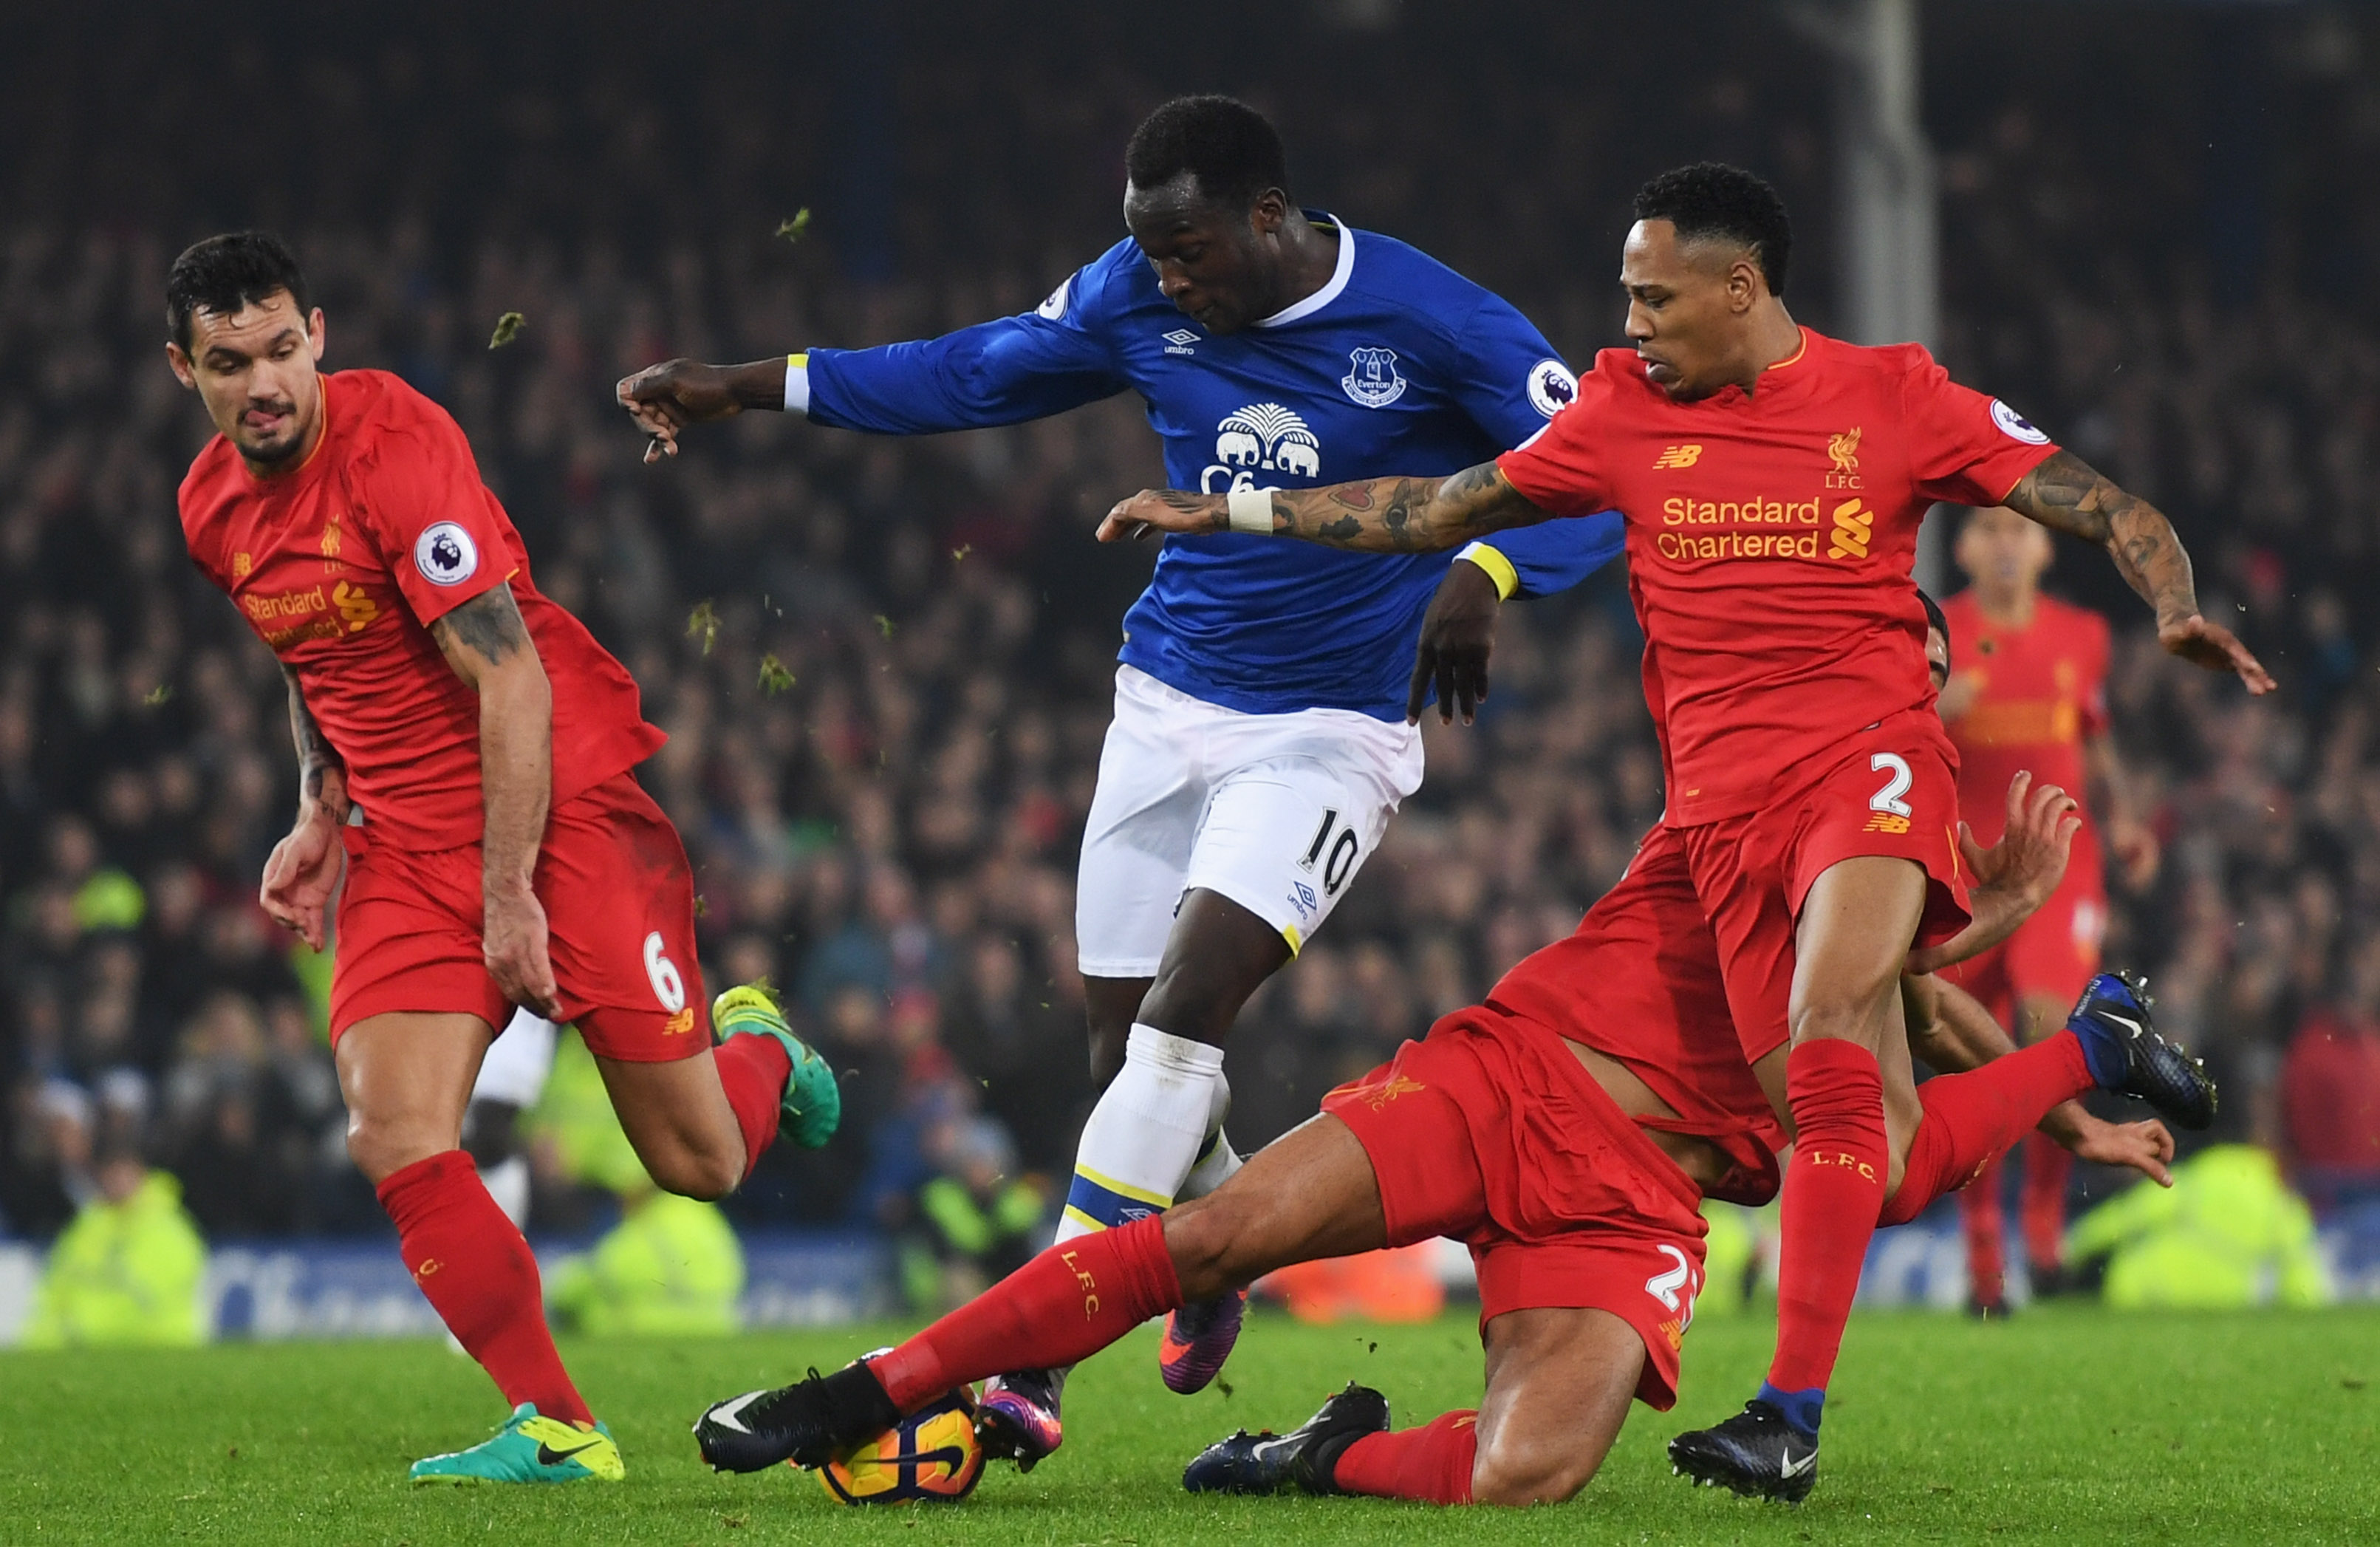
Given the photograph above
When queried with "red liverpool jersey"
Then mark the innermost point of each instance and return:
(1770, 537)
(2045, 689)
(342, 565)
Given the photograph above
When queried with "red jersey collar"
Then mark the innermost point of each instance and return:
(1775, 380)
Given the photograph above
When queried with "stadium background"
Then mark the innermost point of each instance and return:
(2159, 238)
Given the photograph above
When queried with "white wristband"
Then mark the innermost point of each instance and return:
(797, 382)
(1251, 510)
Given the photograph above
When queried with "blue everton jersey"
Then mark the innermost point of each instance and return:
(1399, 365)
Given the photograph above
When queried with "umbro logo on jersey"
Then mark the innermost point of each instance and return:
(1672, 457)
(1179, 342)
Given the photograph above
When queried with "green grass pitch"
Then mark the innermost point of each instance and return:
(2067, 1425)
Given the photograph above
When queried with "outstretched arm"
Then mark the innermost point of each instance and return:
(2066, 495)
(1375, 516)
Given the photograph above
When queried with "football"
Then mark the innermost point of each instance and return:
(932, 1453)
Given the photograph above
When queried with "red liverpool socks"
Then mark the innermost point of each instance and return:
(1979, 1219)
(1431, 1464)
(1065, 1305)
(1971, 1118)
(753, 1071)
(1833, 1192)
(475, 1268)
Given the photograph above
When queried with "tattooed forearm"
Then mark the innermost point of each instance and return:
(1403, 515)
(2065, 494)
(321, 774)
(484, 631)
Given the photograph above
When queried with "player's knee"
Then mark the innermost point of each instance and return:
(381, 1147)
(1204, 1237)
(1194, 1003)
(1518, 1473)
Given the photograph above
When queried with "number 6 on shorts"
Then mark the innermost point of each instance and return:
(668, 987)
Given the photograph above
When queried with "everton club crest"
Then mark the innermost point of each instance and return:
(1372, 378)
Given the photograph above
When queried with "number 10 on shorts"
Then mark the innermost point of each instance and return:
(1341, 862)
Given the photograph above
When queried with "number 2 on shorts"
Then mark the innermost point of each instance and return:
(1888, 799)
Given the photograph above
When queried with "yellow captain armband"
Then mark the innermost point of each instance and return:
(1499, 568)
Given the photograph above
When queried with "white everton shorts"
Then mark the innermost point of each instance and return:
(1275, 812)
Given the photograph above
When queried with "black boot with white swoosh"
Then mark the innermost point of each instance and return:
(1267, 1462)
(1755, 1452)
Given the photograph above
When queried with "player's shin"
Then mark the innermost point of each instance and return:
(1834, 1190)
(1066, 1304)
(476, 1270)
(1145, 1135)
(1971, 1118)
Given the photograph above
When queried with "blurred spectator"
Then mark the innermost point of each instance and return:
(2227, 1235)
(2330, 1093)
(671, 1268)
(126, 1271)
(976, 1220)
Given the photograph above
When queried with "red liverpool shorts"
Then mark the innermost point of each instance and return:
(1895, 792)
(1492, 1133)
(619, 913)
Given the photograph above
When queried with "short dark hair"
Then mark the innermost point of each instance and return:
(1231, 148)
(1712, 199)
(224, 274)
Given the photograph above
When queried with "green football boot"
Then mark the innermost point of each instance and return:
(813, 1103)
(531, 1449)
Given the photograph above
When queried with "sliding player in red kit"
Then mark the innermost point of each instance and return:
(2031, 695)
(464, 750)
(1773, 481)
(1566, 1131)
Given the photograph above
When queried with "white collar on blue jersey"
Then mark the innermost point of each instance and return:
(1296, 310)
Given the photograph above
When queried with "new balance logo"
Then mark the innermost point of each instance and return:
(1884, 822)
(1852, 531)
(1675, 456)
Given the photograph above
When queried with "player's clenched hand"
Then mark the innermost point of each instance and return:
(1163, 511)
(513, 941)
(665, 398)
(2214, 647)
(2030, 858)
(301, 873)
(2144, 1146)
(1458, 634)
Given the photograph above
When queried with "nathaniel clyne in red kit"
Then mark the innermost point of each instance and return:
(1773, 481)
(464, 746)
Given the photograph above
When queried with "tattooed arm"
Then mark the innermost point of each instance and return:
(2065, 495)
(1377, 516)
(487, 646)
(304, 868)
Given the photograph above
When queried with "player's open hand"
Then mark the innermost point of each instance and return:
(2030, 858)
(513, 942)
(667, 397)
(2215, 647)
(2144, 1146)
(1458, 634)
(301, 874)
(1158, 511)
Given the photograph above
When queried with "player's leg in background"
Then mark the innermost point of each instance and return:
(406, 1078)
(1853, 934)
(2041, 1207)
(512, 1078)
(1982, 1218)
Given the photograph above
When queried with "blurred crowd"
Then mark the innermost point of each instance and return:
(885, 667)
